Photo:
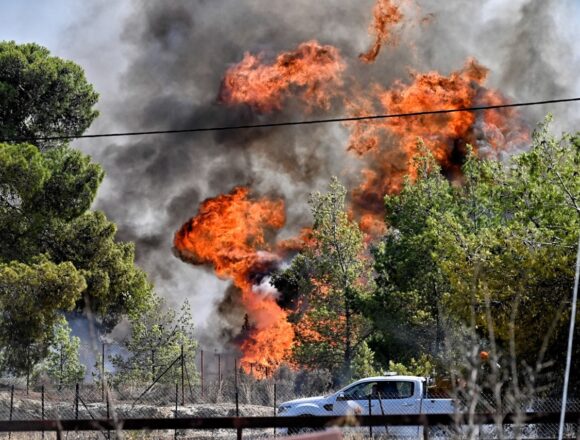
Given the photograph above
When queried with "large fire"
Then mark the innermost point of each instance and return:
(392, 143)
(228, 233)
(312, 71)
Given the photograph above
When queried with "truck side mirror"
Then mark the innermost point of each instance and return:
(340, 396)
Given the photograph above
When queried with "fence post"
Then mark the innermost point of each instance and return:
(42, 406)
(11, 407)
(370, 414)
(219, 356)
(275, 405)
(236, 373)
(77, 401)
(238, 430)
(61, 367)
(27, 370)
(103, 372)
(218, 394)
(182, 376)
(108, 413)
(176, 403)
(201, 370)
(152, 364)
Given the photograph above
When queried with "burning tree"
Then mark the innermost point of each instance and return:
(332, 276)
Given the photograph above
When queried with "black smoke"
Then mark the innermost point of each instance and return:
(176, 55)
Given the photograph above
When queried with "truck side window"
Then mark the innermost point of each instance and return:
(396, 389)
(360, 391)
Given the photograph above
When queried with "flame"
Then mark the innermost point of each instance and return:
(386, 14)
(312, 71)
(391, 144)
(228, 233)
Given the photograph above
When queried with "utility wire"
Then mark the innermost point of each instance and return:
(291, 123)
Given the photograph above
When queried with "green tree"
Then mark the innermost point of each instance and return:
(42, 95)
(32, 297)
(44, 202)
(62, 364)
(406, 307)
(363, 364)
(500, 247)
(334, 279)
(56, 255)
(156, 341)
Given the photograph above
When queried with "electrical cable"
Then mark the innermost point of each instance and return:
(290, 123)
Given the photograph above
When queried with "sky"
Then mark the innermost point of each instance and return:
(159, 65)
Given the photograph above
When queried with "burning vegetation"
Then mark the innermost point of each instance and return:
(235, 234)
(229, 234)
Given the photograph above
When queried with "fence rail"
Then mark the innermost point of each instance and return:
(240, 423)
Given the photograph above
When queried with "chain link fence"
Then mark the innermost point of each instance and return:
(220, 388)
(243, 396)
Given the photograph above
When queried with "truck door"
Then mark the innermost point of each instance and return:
(399, 397)
(355, 400)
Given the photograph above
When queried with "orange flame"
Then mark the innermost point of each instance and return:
(311, 68)
(386, 14)
(391, 144)
(228, 233)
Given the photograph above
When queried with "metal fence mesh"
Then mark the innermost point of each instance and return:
(222, 389)
(220, 398)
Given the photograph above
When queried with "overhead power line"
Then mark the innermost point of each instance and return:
(291, 123)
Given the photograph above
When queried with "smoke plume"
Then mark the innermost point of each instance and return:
(195, 64)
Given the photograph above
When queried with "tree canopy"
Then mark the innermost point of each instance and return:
(32, 296)
(42, 95)
(56, 255)
(333, 278)
(494, 252)
(44, 202)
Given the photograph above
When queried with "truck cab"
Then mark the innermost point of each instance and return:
(381, 395)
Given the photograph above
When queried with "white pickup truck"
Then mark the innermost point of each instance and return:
(388, 395)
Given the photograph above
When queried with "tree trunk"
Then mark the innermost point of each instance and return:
(348, 352)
